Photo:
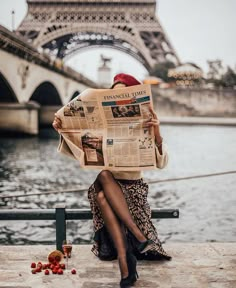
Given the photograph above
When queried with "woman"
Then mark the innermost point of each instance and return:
(121, 214)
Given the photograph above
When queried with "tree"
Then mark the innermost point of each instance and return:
(216, 69)
(218, 76)
(161, 70)
(229, 78)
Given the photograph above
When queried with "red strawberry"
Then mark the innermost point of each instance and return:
(46, 272)
(57, 258)
(54, 271)
(45, 266)
(73, 271)
(50, 259)
(33, 271)
(33, 265)
(52, 266)
(63, 266)
(38, 269)
(59, 271)
(57, 267)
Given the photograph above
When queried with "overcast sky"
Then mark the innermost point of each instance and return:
(199, 30)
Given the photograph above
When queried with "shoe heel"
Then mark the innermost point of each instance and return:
(133, 275)
(143, 247)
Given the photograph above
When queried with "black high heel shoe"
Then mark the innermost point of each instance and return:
(133, 275)
(145, 246)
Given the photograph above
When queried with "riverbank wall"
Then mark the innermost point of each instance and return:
(173, 106)
(194, 102)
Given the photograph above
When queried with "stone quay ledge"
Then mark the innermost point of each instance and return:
(194, 120)
(194, 265)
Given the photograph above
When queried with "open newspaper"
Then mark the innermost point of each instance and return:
(104, 129)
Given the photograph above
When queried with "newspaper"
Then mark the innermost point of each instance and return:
(105, 129)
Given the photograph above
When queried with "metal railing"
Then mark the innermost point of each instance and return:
(5, 198)
(60, 214)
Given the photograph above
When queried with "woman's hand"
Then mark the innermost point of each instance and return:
(153, 120)
(56, 124)
(155, 123)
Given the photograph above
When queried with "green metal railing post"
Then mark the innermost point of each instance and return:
(60, 226)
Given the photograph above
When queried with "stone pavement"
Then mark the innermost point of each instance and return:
(194, 265)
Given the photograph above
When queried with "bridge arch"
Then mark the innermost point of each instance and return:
(7, 93)
(46, 94)
(75, 94)
(68, 40)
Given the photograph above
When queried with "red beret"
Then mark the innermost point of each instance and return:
(126, 79)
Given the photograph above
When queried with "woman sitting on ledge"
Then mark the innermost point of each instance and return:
(121, 213)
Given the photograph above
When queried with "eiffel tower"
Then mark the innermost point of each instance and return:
(63, 27)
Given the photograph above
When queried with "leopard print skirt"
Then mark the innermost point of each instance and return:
(135, 192)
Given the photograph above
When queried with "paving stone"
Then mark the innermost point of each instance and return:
(194, 265)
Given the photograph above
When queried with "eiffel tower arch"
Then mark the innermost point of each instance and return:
(66, 26)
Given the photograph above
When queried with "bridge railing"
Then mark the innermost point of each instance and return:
(60, 214)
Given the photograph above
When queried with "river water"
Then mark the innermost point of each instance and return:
(207, 205)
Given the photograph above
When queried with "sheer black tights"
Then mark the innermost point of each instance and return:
(115, 213)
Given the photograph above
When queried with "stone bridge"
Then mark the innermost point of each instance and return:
(32, 83)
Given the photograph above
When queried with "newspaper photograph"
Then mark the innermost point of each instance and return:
(104, 129)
